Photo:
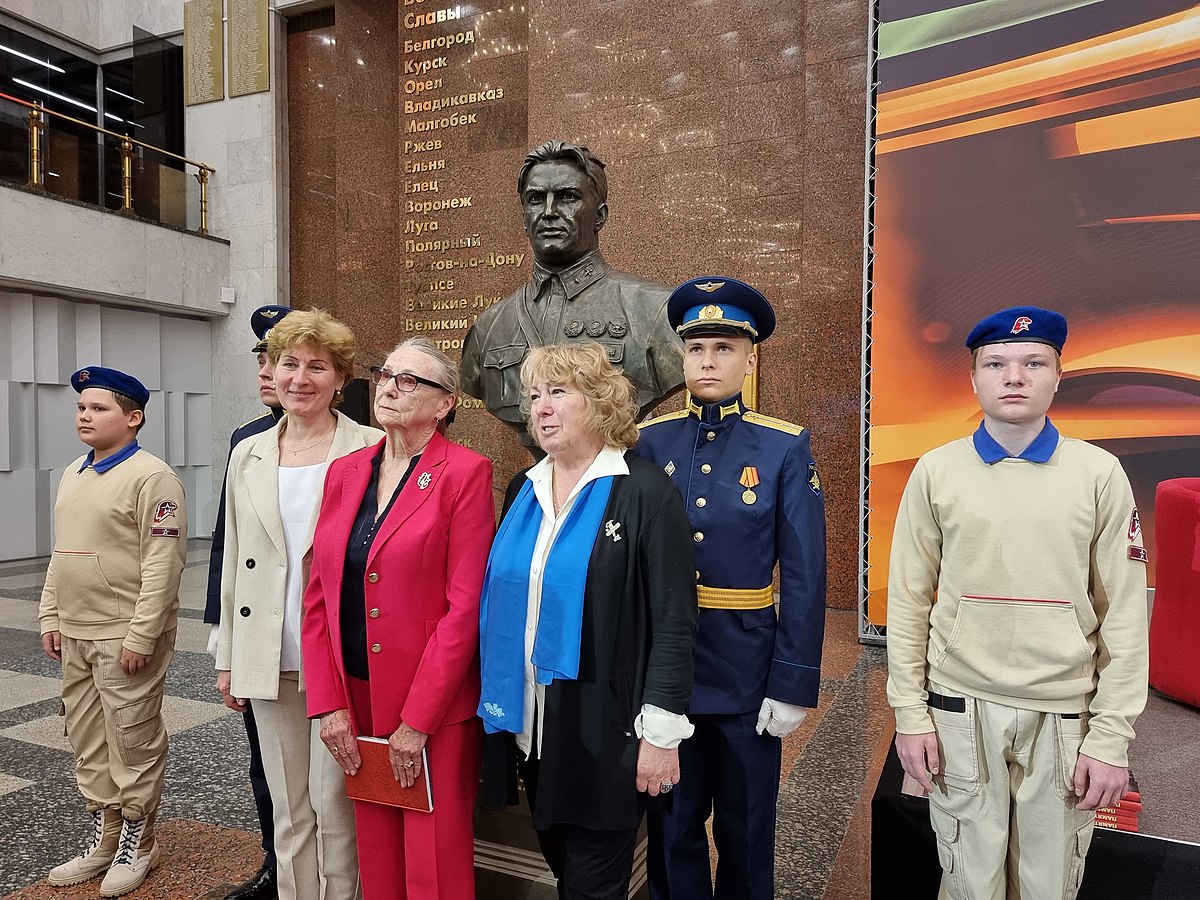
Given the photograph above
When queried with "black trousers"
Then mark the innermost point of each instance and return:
(258, 784)
(590, 864)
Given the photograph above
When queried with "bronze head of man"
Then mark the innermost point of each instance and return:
(564, 202)
(572, 294)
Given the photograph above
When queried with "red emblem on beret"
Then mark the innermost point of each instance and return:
(85, 375)
(1021, 324)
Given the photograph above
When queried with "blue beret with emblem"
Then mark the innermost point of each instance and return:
(1020, 323)
(263, 320)
(715, 305)
(110, 380)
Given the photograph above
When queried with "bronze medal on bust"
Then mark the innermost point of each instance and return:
(573, 329)
(618, 329)
(595, 329)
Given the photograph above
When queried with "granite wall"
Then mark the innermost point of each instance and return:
(733, 132)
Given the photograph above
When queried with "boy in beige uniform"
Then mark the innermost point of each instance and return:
(108, 613)
(1017, 650)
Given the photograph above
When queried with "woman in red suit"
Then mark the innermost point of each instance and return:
(391, 624)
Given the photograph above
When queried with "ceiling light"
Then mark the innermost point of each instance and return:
(34, 59)
(50, 93)
(126, 96)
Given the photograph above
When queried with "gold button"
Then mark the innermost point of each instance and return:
(698, 536)
(374, 614)
(701, 502)
(373, 577)
(706, 468)
(711, 435)
(375, 648)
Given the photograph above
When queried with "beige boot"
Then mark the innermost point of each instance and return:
(137, 854)
(96, 857)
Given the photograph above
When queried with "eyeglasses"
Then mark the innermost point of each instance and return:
(405, 381)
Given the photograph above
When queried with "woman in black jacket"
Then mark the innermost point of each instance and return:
(587, 626)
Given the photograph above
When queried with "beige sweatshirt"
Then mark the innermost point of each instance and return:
(1020, 583)
(119, 551)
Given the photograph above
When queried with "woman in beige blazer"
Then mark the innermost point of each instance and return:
(272, 495)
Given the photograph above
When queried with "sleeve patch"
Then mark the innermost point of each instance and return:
(1138, 553)
(814, 479)
(166, 510)
(1135, 525)
(159, 531)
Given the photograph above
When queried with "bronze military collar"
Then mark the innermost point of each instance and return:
(575, 278)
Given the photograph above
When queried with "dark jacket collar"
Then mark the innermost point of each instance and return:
(714, 413)
(576, 278)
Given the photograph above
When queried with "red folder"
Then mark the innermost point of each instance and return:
(374, 782)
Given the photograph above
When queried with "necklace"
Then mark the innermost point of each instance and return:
(319, 441)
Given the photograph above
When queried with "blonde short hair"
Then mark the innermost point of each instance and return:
(611, 411)
(318, 330)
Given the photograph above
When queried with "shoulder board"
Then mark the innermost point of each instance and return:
(758, 418)
(669, 417)
(252, 421)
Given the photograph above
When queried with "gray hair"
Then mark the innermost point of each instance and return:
(446, 372)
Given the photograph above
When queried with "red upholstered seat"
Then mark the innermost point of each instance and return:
(1175, 622)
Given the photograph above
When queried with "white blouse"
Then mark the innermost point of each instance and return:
(299, 494)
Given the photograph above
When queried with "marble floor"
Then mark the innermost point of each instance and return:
(207, 822)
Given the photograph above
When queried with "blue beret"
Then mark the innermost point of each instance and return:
(1020, 323)
(110, 380)
(263, 320)
(716, 305)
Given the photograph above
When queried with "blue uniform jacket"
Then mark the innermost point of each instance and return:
(212, 604)
(718, 455)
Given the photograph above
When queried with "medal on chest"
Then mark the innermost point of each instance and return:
(749, 481)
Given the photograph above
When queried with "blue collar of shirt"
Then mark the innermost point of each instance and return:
(712, 413)
(1039, 451)
(110, 461)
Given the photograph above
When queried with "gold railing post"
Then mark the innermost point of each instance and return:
(127, 175)
(202, 178)
(36, 127)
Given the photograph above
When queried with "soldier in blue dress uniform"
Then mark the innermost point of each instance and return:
(753, 497)
(261, 885)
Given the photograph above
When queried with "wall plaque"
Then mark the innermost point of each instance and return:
(203, 52)
(463, 134)
(249, 47)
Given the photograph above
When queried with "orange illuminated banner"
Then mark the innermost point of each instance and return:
(1045, 154)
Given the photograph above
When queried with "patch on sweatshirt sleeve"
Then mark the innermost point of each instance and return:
(1137, 553)
(166, 510)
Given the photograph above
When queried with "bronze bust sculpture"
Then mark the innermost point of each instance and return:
(574, 295)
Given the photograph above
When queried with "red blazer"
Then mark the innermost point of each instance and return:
(424, 576)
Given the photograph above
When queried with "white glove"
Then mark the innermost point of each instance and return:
(779, 718)
(212, 641)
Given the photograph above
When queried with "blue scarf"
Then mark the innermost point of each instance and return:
(504, 606)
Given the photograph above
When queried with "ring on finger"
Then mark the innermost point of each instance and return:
(410, 765)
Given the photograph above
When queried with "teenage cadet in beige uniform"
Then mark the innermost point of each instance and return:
(1017, 649)
(108, 613)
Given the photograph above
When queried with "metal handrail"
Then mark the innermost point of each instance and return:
(36, 179)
